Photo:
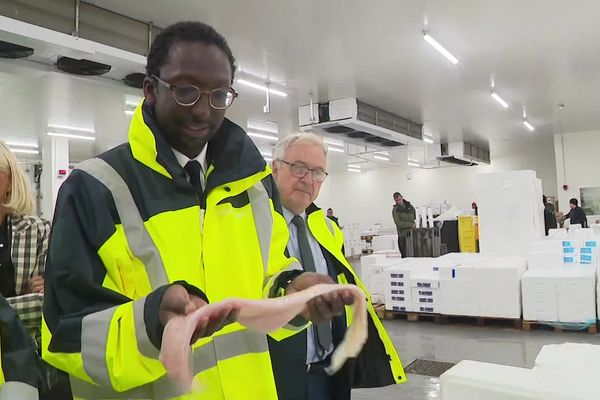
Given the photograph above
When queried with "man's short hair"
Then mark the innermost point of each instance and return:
(397, 194)
(574, 202)
(300, 137)
(188, 31)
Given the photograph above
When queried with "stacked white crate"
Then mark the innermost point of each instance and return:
(373, 276)
(398, 295)
(424, 285)
(475, 285)
(560, 285)
(510, 212)
(577, 364)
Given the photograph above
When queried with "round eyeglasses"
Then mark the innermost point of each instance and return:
(188, 95)
(300, 171)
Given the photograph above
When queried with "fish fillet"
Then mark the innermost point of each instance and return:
(264, 316)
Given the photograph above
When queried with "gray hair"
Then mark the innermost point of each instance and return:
(299, 137)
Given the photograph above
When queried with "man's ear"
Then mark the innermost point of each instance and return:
(149, 91)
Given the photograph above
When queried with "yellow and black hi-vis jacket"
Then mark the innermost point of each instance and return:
(19, 373)
(127, 225)
(378, 364)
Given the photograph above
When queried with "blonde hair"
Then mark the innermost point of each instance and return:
(19, 198)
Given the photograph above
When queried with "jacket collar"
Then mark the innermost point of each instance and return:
(231, 155)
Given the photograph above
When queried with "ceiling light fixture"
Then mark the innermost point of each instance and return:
(15, 144)
(70, 128)
(351, 169)
(70, 135)
(528, 126)
(436, 45)
(263, 136)
(24, 151)
(335, 149)
(129, 112)
(261, 87)
(428, 140)
(412, 163)
(499, 99)
(381, 157)
(264, 126)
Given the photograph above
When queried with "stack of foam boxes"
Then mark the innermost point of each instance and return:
(352, 244)
(560, 285)
(398, 294)
(374, 276)
(413, 285)
(475, 285)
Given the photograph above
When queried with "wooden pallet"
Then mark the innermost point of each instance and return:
(411, 316)
(379, 310)
(531, 325)
(481, 321)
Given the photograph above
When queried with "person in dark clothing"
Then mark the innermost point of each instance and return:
(549, 217)
(404, 215)
(19, 373)
(331, 217)
(576, 215)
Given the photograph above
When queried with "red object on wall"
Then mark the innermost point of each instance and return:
(62, 172)
(565, 187)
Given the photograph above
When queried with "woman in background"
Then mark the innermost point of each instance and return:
(23, 243)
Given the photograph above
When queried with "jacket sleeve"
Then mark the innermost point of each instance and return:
(396, 218)
(29, 305)
(17, 352)
(97, 326)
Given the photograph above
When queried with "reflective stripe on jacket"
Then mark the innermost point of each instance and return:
(127, 225)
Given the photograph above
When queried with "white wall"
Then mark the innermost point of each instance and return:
(581, 167)
(366, 197)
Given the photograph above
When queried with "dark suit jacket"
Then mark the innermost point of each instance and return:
(370, 369)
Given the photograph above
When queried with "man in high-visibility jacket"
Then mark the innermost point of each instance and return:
(19, 374)
(299, 169)
(184, 213)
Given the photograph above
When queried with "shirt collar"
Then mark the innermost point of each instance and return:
(289, 215)
(182, 159)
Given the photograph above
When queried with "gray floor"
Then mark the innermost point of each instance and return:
(454, 343)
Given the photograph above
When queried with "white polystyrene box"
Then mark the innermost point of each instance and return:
(385, 242)
(545, 259)
(539, 295)
(577, 295)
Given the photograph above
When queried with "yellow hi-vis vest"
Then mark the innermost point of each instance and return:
(128, 223)
(331, 238)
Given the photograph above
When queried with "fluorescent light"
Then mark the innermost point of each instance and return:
(261, 87)
(30, 145)
(428, 140)
(500, 100)
(336, 149)
(268, 159)
(413, 164)
(381, 157)
(337, 143)
(129, 112)
(440, 48)
(71, 135)
(528, 125)
(263, 136)
(354, 169)
(356, 166)
(24, 151)
(265, 127)
(70, 128)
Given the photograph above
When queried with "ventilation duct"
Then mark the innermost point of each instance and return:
(463, 153)
(135, 80)
(13, 51)
(357, 122)
(81, 67)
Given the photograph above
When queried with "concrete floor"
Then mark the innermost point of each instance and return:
(427, 340)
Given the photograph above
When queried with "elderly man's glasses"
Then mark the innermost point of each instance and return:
(188, 95)
(300, 171)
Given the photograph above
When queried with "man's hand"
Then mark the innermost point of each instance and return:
(36, 285)
(177, 301)
(325, 307)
